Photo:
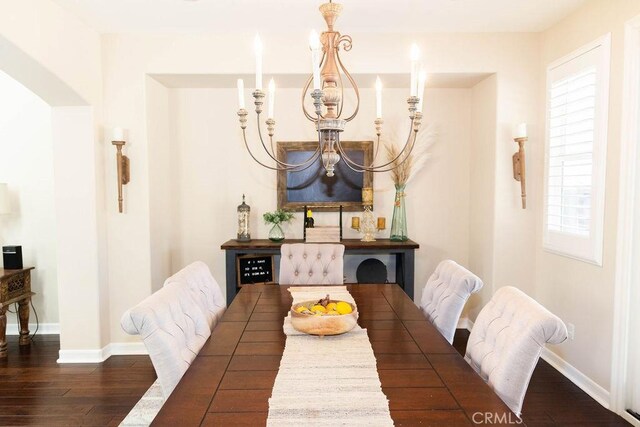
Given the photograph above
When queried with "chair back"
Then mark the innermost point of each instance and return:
(506, 341)
(196, 279)
(445, 295)
(311, 263)
(173, 329)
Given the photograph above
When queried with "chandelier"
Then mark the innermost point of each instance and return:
(328, 78)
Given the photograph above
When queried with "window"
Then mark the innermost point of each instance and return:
(576, 142)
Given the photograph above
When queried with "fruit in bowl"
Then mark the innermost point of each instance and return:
(324, 317)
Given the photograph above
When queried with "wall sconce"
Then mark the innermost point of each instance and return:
(520, 136)
(368, 226)
(122, 162)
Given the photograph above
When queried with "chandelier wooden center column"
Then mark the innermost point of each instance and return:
(328, 78)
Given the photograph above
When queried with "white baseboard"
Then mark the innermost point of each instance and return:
(100, 355)
(578, 378)
(43, 328)
(82, 356)
(585, 383)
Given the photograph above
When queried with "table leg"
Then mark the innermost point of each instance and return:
(3, 332)
(23, 311)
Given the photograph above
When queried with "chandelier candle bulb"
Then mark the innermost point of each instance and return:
(378, 98)
(272, 96)
(422, 79)
(241, 93)
(315, 46)
(257, 45)
(415, 56)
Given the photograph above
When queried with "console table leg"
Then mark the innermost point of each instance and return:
(3, 332)
(23, 312)
(230, 266)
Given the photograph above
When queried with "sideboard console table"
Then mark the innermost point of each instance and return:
(15, 286)
(404, 252)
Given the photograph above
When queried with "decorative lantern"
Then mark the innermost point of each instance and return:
(243, 222)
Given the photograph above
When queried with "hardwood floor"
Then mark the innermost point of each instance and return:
(553, 400)
(35, 390)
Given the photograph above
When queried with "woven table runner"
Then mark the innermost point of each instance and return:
(329, 380)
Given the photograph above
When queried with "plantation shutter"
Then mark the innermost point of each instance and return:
(577, 104)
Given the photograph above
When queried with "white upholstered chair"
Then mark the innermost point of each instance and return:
(506, 341)
(445, 294)
(311, 263)
(196, 279)
(173, 329)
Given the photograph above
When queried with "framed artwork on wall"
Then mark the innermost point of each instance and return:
(313, 188)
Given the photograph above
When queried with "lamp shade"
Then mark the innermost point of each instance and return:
(4, 199)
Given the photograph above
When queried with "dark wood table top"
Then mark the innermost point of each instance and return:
(425, 379)
(348, 244)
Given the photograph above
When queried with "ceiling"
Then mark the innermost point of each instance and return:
(401, 16)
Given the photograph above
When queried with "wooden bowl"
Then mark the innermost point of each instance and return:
(323, 325)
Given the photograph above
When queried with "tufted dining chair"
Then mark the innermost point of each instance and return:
(173, 329)
(311, 263)
(445, 295)
(196, 279)
(506, 341)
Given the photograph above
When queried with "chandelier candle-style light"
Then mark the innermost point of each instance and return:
(328, 98)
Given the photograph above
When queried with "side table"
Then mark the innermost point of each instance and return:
(15, 286)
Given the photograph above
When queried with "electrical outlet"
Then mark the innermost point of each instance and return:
(571, 330)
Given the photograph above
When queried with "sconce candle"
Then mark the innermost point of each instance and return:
(118, 134)
(520, 131)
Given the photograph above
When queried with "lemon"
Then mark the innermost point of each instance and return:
(318, 309)
(331, 306)
(343, 307)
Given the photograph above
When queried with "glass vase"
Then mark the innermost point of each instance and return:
(276, 234)
(399, 220)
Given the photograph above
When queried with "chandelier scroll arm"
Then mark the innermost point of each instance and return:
(354, 166)
(353, 85)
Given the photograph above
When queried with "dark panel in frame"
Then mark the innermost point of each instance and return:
(313, 188)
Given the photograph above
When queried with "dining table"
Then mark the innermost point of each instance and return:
(425, 379)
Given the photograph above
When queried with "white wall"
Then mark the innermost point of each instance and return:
(26, 165)
(59, 58)
(213, 170)
(579, 292)
(130, 263)
(482, 177)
